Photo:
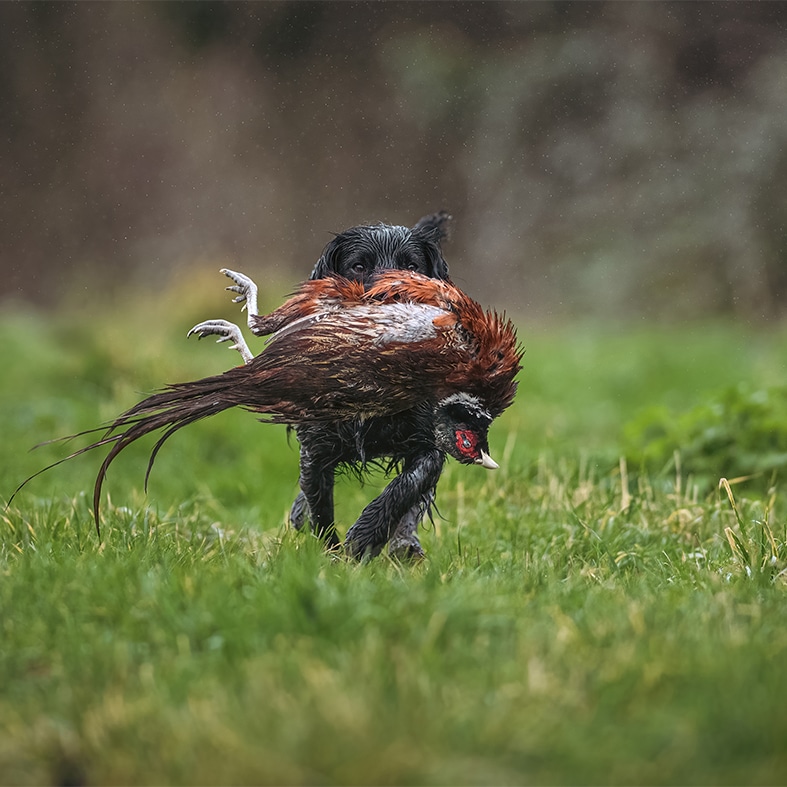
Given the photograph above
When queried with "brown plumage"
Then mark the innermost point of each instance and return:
(408, 348)
(341, 351)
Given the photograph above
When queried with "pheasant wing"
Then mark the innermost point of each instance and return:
(368, 359)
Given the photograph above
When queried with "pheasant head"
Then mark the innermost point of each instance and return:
(461, 430)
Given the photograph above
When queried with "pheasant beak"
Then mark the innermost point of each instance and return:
(487, 461)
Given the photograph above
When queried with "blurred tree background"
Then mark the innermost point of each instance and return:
(599, 159)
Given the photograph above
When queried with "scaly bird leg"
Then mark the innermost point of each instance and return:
(227, 332)
(247, 293)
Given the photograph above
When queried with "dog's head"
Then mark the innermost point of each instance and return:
(360, 252)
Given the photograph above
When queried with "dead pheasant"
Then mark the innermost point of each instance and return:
(416, 354)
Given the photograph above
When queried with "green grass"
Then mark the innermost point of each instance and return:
(579, 619)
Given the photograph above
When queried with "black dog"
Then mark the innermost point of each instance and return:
(360, 252)
(357, 253)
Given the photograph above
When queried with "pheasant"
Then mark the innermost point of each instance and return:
(416, 356)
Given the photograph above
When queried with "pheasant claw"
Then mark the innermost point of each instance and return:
(247, 293)
(227, 332)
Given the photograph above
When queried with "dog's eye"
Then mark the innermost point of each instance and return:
(359, 267)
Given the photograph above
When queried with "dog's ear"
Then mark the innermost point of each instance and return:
(433, 228)
(327, 265)
(430, 230)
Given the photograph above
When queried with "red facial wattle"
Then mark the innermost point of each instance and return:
(467, 444)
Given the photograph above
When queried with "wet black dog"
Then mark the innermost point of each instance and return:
(358, 253)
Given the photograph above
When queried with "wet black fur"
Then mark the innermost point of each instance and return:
(360, 252)
(403, 443)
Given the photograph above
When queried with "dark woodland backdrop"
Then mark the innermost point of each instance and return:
(599, 159)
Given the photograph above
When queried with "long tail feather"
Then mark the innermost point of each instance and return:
(171, 409)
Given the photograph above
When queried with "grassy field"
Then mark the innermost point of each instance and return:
(579, 619)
